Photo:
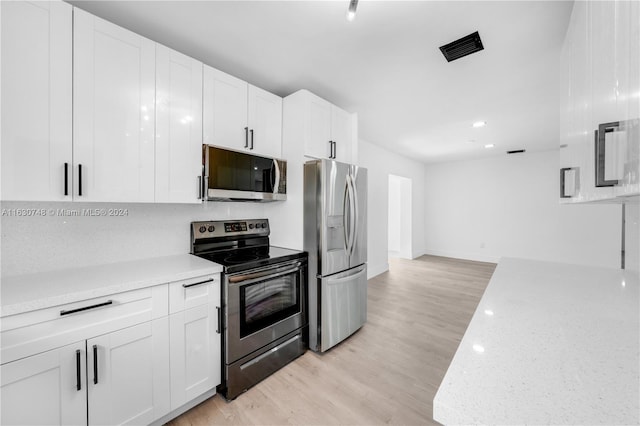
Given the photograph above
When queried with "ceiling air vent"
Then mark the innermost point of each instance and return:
(462, 47)
(516, 151)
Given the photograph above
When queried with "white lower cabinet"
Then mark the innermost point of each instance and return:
(45, 389)
(195, 338)
(128, 380)
(123, 359)
(117, 379)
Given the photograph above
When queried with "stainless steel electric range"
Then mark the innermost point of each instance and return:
(264, 312)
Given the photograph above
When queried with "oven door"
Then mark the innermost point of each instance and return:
(263, 305)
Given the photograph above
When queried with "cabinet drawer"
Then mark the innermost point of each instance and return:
(38, 331)
(193, 292)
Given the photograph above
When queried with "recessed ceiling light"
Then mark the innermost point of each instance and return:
(489, 145)
(479, 124)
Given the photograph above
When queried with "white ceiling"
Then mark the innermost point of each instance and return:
(385, 65)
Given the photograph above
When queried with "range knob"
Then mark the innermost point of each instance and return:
(203, 229)
(212, 228)
(264, 225)
(251, 226)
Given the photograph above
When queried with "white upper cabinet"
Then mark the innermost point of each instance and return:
(113, 112)
(318, 143)
(225, 110)
(265, 122)
(178, 139)
(326, 130)
(600, 127)
(36, 100)
(240, 116)
(341, 134)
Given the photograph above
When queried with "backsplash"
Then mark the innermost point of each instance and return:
(56, 239)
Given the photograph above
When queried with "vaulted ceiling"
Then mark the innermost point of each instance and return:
(385, 65)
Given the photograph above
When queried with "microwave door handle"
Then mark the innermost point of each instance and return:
(276, 184)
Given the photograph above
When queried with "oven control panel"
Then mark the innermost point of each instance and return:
(222, 228)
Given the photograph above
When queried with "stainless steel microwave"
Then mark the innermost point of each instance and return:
(238, 176)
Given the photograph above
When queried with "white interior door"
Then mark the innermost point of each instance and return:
(114, 112)
(36, 100)
(45, 389)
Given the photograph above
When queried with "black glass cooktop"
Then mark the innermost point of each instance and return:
(241, 259)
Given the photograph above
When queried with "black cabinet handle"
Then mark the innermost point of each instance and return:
(80, 180)
(246, 137)
(73, 311)
(335, 149)
(563, 172)
(95, 364)
(219, 311)
(78, 379)
(251, 138)
(600, 140)
(330, 149)
(198, 283)
(66, 178)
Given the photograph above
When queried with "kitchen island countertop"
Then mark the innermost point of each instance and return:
(29, 292)
(549, 343)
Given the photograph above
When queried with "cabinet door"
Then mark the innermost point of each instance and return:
(341, 134)
(36, 100)
(45, 389)
(114, 111)
(603, 85)
(195, 353)
(128, 375)
(265, 120)
(225, 110)
(178, 127)
(319, 128)
(628, 101)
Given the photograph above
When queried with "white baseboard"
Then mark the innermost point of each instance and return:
(478, 257)
(373, 270)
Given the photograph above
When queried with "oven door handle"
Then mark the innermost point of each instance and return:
(264, 275)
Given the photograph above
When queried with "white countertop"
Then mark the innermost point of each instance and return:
(549, 343)
(42, 290)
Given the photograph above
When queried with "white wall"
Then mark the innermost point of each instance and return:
(43, 243)
(380, 163)
(508, 206)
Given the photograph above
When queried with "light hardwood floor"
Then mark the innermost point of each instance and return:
(387, 372)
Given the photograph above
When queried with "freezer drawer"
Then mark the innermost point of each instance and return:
(343, 305)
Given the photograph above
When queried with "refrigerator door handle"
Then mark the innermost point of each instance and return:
(352, 214)
(345, 217)
(356, 215)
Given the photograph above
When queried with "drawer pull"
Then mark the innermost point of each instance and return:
(78, 378)
(198, 283)
(73, 311)
(95, 364)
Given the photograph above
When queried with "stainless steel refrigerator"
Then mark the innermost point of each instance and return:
(335, 236)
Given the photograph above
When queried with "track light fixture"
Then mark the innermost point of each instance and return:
(351, 13)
